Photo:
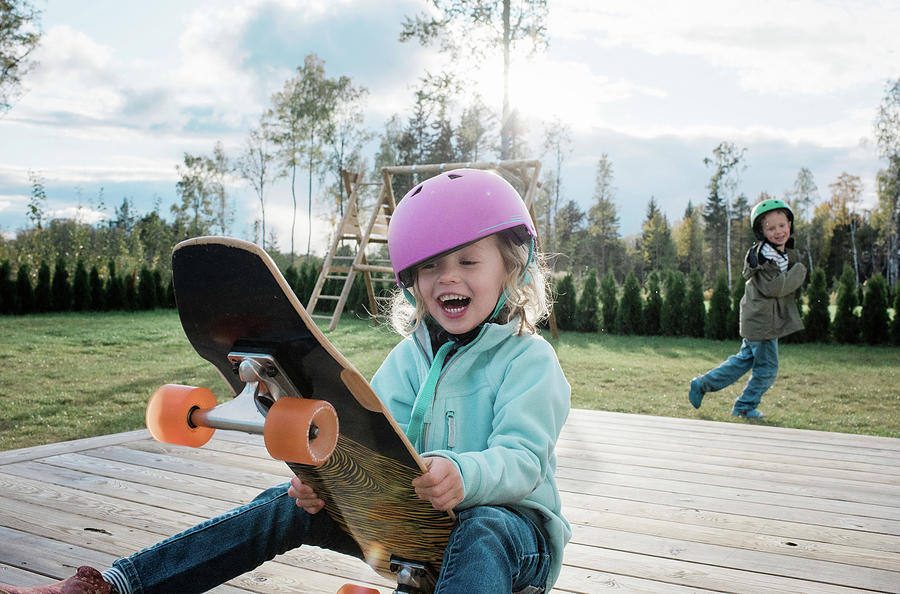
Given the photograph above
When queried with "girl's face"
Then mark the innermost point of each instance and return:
(777, 228)
(461, 289)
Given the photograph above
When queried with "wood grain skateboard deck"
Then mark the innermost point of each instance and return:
(236, 308)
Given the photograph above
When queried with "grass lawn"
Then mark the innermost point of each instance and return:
(68, 376)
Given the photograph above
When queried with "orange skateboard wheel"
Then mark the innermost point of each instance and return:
(354, 589)
(169, 411)
(301, 430)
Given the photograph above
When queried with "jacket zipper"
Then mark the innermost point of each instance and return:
(447, 365)
(451, 430)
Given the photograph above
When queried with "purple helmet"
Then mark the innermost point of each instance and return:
(450, 210)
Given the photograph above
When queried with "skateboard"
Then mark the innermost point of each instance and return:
(314, 409)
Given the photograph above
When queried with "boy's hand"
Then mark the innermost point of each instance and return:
(441, 485)
(305, 497)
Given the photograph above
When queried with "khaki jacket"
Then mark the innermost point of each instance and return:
(769, 306)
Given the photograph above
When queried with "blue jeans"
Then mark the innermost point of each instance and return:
(759, 355)
(491, 549)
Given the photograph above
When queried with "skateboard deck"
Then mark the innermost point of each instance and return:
(235, 304)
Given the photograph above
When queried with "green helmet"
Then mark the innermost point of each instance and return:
(767, 206)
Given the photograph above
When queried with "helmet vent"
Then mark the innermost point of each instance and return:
(417, 190)
(454, 175)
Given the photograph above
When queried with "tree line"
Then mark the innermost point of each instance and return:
(103, 288)
(672, 303)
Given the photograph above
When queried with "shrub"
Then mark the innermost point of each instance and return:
(734, 317)
(146, 290)
(609, 302)
(846, 324)
(719, 309)
(61, 289)
(115, 289)
(817, 319)
(131, 294)
(7, 289)
(565, 305)
(81, 290)
(628, 313)
(672, 315)
(874, 322)
(98, 296)
(586, 310)
(653, 306)
(43, 301)
(694, 307)
(24, 290)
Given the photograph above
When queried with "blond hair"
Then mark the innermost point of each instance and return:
(526, 288)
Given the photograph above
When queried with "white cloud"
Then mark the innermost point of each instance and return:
(808, 46)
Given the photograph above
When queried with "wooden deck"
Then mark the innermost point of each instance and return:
(656, 505)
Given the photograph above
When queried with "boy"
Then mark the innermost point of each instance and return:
(773, 274)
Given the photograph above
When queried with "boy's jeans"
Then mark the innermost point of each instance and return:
(759, 355)
(487, 544)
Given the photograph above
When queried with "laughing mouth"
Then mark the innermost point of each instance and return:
(454, 304)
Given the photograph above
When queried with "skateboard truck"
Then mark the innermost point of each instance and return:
(412, 577)
(269, 405)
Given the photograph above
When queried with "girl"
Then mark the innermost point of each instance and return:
(479, 394)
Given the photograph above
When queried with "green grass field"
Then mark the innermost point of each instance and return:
(68, 376)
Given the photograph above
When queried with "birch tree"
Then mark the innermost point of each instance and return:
(478, 26)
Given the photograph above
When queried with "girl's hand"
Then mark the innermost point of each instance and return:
(441, 485)
(305, 496)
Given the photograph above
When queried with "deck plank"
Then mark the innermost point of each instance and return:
(656, 504)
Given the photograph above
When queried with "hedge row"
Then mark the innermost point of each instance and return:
(57, 291)
(671, 304)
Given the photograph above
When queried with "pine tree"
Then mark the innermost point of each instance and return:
(566, 303)
(587, 318)
(874, 321)
(61, 289)
(24, 290)
(43, 300)
(719, 309)
(609, 302)
(652, 310)
(846, 324)
(694, 307)
(628, 314)
(672, 315)
(818, 319)
(81, 290)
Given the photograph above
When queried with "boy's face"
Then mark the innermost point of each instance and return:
(461, 289)
(776, 228)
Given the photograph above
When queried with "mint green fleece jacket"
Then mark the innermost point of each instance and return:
(497, 412)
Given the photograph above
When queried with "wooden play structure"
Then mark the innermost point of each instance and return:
(348, 255)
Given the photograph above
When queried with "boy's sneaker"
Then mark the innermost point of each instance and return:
(86, 580)
(696, 394)
(748, 414)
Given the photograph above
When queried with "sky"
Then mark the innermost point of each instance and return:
(120, 93)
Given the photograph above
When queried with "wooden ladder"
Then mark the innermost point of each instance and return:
(345, 267)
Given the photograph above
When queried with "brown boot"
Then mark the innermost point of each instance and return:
(86, 580)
